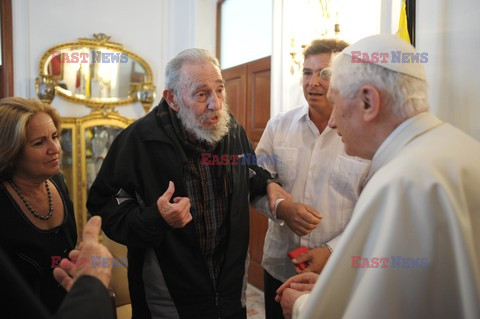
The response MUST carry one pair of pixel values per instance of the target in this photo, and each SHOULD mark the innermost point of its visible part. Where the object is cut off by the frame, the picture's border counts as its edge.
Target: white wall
(187, 24)
(450, 32)
(156, 30)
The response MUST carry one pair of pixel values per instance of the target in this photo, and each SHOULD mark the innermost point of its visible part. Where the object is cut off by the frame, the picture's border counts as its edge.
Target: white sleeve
(265, 147)
(333, 243)
(411, 222)
(262, 205)
(298, 305)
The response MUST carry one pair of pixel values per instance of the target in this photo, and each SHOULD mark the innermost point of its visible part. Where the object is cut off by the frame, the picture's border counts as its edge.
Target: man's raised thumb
(169, 192)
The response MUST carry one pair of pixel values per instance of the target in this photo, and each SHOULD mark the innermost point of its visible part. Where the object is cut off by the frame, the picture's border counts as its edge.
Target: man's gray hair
(194, 55)
(405, 95)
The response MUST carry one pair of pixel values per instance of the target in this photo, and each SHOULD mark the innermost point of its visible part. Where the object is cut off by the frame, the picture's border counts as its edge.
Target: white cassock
(421, 211)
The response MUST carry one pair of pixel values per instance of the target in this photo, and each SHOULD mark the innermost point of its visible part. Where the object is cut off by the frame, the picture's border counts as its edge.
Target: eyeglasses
(324, 74)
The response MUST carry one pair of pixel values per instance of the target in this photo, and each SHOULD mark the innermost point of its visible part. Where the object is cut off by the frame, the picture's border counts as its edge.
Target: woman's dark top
(35, 251)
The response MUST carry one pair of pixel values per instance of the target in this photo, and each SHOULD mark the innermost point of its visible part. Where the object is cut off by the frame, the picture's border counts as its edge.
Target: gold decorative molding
(99, 42)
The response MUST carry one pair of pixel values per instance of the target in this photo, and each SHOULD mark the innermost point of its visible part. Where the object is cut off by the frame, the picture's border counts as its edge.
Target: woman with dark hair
(38, 221)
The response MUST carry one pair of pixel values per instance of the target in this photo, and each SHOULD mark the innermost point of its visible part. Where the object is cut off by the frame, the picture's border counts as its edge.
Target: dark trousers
(273, 310)
(242, 314)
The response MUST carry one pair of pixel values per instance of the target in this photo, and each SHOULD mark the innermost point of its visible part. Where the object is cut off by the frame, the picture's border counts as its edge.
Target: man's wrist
(330, 249)
(274, 180)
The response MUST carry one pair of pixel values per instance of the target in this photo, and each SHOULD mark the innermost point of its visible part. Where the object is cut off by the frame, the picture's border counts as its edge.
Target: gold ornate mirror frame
(85, 72)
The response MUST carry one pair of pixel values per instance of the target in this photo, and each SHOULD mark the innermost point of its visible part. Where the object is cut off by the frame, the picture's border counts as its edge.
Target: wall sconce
(45, 88)
(297, 56)
(146, 95)
(318, 24)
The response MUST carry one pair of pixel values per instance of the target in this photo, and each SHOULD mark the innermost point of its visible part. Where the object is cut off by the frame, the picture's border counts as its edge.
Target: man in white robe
(412, 247)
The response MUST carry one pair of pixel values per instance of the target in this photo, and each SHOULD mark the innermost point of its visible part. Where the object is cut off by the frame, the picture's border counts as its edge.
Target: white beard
(196, 127)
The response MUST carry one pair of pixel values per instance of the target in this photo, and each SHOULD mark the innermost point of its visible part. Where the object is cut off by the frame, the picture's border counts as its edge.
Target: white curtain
(450, 32)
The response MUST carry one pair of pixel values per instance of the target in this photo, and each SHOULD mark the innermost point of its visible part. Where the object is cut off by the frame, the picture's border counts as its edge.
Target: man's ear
(371, 102)
(169, 96)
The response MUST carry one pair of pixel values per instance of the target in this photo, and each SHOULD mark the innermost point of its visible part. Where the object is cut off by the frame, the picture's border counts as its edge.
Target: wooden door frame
(218, 31)
(6, 69)
(411, 16)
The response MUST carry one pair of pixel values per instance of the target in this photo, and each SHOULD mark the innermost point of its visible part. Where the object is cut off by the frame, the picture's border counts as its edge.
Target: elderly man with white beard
(184, 220)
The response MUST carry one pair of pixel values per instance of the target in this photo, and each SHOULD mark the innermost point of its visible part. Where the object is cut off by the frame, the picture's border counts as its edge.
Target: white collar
(305, 114)
(401, 136)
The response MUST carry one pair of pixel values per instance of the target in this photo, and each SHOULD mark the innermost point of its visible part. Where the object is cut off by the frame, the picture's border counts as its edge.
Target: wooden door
(258, 98)
(236, 88)
(248, 94)
(6, 47)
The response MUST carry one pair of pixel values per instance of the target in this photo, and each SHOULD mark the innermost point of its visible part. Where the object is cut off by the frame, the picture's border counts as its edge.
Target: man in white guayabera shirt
(412, 247)
(311, 164)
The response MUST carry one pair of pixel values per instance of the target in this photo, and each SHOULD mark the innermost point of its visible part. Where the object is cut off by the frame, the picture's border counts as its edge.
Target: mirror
(96, 72)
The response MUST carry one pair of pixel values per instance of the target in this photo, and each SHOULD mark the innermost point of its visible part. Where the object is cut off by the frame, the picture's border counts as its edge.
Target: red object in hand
(297, 252)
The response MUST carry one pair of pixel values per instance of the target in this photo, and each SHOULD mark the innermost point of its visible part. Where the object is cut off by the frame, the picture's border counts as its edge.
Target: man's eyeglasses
(326, 73)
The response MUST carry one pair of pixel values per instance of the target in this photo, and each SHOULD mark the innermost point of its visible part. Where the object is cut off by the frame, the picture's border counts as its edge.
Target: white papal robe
(420, 211)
